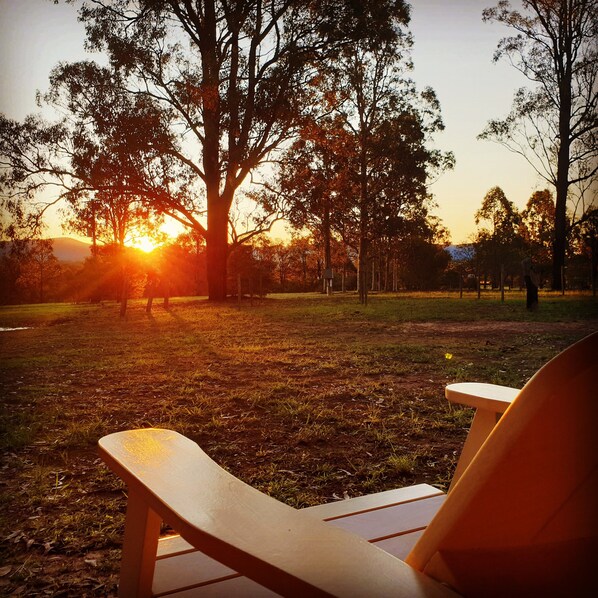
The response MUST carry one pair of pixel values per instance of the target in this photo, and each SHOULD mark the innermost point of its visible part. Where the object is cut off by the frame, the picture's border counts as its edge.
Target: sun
(149, 238)
(146, 244)
(143, 242)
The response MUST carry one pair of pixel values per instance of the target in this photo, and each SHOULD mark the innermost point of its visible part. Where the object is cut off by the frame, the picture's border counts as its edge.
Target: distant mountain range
(461, 253)
(67, 249)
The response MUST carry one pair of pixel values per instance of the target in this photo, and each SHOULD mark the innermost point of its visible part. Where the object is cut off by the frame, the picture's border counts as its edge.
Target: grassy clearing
(306, 397)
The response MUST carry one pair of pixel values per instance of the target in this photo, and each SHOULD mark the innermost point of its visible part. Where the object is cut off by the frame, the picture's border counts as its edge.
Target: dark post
(166, 301)
(531, 284)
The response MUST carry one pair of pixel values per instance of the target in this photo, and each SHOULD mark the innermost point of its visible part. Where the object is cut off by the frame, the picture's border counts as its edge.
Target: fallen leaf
(4, 571)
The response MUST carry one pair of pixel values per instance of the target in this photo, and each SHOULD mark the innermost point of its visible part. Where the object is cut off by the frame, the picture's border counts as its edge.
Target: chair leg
(142, 529)
(483, 423)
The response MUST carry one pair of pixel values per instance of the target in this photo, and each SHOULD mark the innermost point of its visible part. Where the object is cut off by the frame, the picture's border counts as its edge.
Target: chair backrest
(523, 518)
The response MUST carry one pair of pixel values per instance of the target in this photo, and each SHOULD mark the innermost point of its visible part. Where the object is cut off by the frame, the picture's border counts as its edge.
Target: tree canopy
(554, 125)
(216, 87)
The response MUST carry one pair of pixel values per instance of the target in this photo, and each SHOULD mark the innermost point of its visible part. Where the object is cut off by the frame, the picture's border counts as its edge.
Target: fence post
(502, 283)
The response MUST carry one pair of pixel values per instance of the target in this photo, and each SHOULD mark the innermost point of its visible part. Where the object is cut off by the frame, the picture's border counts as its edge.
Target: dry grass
(308, 398)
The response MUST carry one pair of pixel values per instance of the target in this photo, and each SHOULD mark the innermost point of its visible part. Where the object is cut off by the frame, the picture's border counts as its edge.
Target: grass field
(308, 398)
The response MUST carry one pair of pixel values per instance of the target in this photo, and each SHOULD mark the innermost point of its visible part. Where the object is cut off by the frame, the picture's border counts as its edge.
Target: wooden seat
(393, 520)
(520, 518)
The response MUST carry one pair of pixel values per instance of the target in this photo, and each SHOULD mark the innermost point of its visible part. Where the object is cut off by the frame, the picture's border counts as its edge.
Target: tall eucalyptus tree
(554, 126)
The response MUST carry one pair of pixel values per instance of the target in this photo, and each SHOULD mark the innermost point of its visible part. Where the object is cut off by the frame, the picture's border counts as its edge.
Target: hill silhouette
(67, 249)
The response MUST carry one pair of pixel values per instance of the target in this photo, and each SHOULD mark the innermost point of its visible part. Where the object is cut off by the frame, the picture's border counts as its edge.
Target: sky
(452, 54)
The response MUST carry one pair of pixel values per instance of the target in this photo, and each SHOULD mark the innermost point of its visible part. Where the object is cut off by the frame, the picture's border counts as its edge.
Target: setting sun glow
(166, 232)
(144, 243)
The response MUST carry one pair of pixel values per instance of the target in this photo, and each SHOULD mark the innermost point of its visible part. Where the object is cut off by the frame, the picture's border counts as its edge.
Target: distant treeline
(30, 273)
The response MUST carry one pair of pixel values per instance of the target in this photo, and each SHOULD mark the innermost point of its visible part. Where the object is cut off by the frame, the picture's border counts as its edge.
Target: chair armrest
(490, 402)
(287, 551)
(490, 397)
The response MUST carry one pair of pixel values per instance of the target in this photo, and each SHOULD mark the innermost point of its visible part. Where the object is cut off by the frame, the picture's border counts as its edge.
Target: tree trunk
(327, 250)
(560, 228)
(562, 174)
(217, 249)
(218, 201)
(41, 282)
(304, 271)
(594, 272)
(387, 263)
(362, 263)
(124, 281)
(373, 285)
(124, 294)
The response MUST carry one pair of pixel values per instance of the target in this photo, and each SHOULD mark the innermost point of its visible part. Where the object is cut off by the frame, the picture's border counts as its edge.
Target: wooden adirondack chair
(522, 519)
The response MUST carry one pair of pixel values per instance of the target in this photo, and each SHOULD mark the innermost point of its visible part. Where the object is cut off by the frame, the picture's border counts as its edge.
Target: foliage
(510, 236)
(361, 166)
(97, 156)
(195, 98)
(251, 269)
(238, 91)
(314, 181)
(422, 264)
(586, 257)
(29, 272)
(500, 246)
(553, 125)
(391, 161)
(537, 230)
